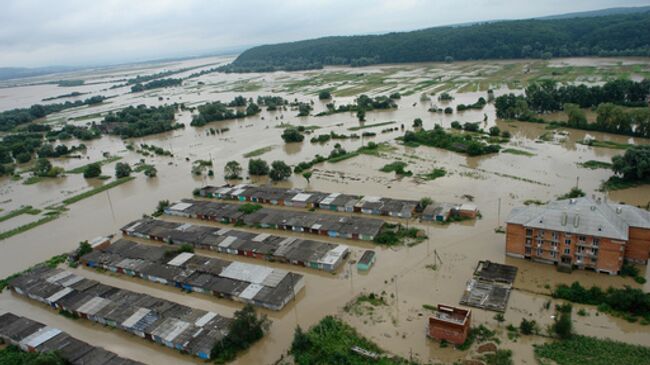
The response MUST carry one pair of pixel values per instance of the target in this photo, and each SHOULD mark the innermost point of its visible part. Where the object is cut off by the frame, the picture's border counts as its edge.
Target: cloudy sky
(80, 32)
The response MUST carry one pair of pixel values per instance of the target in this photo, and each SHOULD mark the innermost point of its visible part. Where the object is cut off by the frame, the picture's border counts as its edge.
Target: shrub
(258, 167)
(292, 135)
(122, 169)
(279, 171)
(93, 170)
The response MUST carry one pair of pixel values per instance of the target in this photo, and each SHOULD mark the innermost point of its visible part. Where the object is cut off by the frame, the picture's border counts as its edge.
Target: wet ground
(497, 182)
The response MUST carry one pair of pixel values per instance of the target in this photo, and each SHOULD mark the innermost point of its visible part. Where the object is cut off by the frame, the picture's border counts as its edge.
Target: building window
(567, 251)
(554, 244)
(539, 252)
(581, 249)
(527, 250)
(529, 232)
(540, 233)
(594, 251)
(556, 236)
(567, 241)
(553, 254)
(578, 257)
(582, 238)
(540, 241)
(596, 241)
(529, 241)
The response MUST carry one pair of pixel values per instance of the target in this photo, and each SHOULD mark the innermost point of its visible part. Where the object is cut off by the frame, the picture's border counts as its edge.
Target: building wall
(515, 240)
(582, 251)
(638, 247)
(453, 333)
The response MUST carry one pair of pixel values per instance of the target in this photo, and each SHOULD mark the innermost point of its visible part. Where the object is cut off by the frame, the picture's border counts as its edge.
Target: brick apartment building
(583, 233)
(451, 324)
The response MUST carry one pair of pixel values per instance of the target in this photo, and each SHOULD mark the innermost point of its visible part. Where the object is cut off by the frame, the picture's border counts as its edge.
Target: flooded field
(497, 183)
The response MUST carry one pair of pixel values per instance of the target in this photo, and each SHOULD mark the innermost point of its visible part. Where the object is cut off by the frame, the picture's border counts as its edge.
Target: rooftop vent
(576, 221)
(564, 218)
(572, 201)
(593, 208)
(619, 210)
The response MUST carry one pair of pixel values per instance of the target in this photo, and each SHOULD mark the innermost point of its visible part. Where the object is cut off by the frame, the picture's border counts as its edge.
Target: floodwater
(496, 182)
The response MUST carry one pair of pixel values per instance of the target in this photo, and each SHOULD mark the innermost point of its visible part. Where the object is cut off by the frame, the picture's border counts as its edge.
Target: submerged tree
(232, 170)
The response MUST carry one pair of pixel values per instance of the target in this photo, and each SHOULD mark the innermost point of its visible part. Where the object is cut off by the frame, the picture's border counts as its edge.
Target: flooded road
(496, 182)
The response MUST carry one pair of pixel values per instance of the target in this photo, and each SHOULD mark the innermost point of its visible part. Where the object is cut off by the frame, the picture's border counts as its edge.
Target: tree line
(10, 119)
(141, 120)
(612, 35)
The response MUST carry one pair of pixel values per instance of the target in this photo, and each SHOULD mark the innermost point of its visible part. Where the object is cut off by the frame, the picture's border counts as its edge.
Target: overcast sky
(81, 32)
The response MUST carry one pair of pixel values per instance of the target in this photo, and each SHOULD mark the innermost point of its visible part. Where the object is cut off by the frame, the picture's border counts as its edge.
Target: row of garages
(309, 253)
(32, 336)
(247, 283)
(174, 325)
(348, 227)
(313, 199)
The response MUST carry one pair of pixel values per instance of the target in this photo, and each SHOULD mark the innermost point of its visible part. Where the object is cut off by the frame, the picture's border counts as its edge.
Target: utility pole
(499, 214)
(110, 205)
(396, 297)
(577, 181)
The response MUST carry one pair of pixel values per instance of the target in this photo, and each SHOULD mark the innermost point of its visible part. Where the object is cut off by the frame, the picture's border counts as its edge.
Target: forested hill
(612, 35)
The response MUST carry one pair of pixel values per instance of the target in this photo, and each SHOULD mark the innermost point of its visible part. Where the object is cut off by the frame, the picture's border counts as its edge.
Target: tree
(562, 325)
(576, 117)
(361, 115)
(292, 135)
(417, 123)
(42, 167)
(245, 329)
(634, 164)
(324, 95)
(258, 167)
(23, 157)
(122, 169)
(232, 170)
(93, 170)
(279, 171)
(494, 131)
(528, 327)
(150, 171)
(307, 176)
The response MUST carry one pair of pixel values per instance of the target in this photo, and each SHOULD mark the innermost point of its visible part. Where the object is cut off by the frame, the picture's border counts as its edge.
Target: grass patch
(300, 128)
(26, 227)
(593, 164)
(80, 169)
(28, 209)
(515, 151)
(397, 167)
(583, 350)
(343, 157)
(330, 342)
(365, 126)
(606, 144)
(534, 202)
(258, 152)
(434, 174)
(97, 190)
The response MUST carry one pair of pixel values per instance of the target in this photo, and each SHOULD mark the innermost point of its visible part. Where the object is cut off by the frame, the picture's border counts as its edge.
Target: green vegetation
(633, 167)
(249, 208)
(26, 227)
(575, 192)
(583, 350)
(330, 342)
(218, 111)
(479, 105)
(232, 170)
(611, 35)
(517, 152)
(245, 329)
(156, 84)
(629, 270)
(258, 152)
(366, 126)
(28, 209)
(630, 303)
(258, 167)
(339, 154)
(97, 190)
(290, 135)
(92, 170)
(324, 95)
(544, 96)
(393, 234)
(141, 121)
(593, 164)
(159, 151)
(606, 144)
(361, 105)
(434, 174)
(437, 137)
(82, 169)
(478, 334)
(160, 208)
(10, 119)
(12, 355)
(279, 171)
(122, 169)
(397, 167)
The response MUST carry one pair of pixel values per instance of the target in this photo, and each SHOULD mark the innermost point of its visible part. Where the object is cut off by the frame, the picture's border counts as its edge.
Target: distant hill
(601, 12)
(577, 35)
(10, 73)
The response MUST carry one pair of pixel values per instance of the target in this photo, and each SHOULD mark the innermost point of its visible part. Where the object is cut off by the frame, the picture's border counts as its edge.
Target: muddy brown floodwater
(497, 182)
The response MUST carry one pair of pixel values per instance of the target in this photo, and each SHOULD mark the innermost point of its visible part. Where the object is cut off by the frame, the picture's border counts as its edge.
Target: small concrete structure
(366, 261)
(490, 287)
(450, 324)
